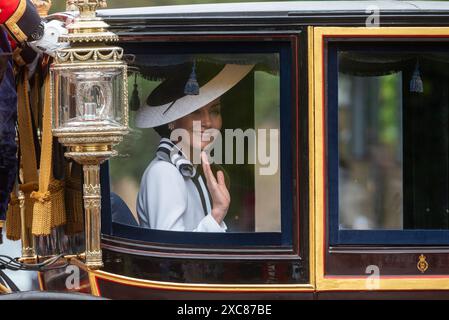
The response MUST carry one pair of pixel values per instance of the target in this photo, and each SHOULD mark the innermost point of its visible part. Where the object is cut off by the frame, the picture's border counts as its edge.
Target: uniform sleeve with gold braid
(21, 20)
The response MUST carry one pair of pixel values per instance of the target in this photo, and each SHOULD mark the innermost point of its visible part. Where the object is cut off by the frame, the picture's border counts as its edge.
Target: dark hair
(163, 131)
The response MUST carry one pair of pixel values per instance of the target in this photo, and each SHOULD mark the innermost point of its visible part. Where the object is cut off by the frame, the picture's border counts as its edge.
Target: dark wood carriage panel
(203, 270)
(391, 261)
(115, 290)
(56, 280)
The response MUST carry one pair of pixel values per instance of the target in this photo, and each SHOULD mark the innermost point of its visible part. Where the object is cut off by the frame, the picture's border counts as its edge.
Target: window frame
(339, 236)
(115, 231)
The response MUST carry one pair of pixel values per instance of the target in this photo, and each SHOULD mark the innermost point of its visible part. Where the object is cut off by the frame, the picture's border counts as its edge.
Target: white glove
(49, 42)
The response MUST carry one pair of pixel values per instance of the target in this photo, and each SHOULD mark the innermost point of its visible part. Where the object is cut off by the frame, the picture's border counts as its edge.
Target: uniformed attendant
(174, 193)
(23, 37)
(8, 116)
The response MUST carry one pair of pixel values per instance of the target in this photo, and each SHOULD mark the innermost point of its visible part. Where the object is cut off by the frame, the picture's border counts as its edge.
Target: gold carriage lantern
(89, 90)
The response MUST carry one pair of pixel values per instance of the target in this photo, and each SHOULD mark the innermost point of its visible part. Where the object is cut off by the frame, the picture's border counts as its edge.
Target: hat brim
(228, 77)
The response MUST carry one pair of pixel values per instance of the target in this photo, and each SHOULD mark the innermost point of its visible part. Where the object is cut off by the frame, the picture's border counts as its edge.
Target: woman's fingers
(207, 170)
(217, 188)
(222, 185)
(221, 178)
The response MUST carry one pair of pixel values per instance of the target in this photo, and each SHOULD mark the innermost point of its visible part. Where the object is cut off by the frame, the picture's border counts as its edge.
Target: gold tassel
(13, 221)
(28, 163)
(49, 206)
(57, 192)
(41, 213)
(27, 189)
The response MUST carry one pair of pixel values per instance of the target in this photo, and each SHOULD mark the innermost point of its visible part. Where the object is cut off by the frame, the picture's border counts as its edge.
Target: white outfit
(167, 200)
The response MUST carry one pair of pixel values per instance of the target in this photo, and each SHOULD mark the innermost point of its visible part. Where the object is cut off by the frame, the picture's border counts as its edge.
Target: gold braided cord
(27, 160)
(26, 133)
(27, 147)
(35, 99)
(49, 207)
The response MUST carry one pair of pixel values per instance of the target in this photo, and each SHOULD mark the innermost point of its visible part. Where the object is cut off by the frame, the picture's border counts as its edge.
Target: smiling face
(210, 118)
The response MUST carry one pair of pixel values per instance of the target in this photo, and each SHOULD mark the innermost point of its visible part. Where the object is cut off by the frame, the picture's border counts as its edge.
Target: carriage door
(380, 147)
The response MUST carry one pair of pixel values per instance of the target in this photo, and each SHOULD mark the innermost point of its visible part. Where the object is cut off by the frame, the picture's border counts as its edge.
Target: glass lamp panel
(89, 97)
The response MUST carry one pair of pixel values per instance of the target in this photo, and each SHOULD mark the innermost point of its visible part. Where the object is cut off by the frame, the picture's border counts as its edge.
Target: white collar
(170, 152)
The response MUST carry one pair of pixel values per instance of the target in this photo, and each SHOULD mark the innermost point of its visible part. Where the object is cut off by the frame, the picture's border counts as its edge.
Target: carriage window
(204, 150)
(393, 139)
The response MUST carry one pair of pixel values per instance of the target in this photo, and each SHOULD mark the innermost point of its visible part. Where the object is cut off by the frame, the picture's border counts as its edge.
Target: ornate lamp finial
(87, 27)
(70, 5)
(86, 7)
(42, 6)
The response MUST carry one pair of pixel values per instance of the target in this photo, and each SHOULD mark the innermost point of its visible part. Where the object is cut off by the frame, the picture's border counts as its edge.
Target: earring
(171, 126)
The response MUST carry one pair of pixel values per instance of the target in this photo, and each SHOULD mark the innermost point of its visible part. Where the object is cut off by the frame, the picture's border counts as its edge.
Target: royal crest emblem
(422, 265)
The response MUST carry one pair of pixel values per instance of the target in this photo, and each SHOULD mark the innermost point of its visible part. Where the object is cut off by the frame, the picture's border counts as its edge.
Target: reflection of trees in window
(378, 113)
(370, 175)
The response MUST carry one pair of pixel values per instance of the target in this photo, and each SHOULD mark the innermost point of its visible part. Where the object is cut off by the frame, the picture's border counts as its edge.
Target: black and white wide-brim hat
(169, 101)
